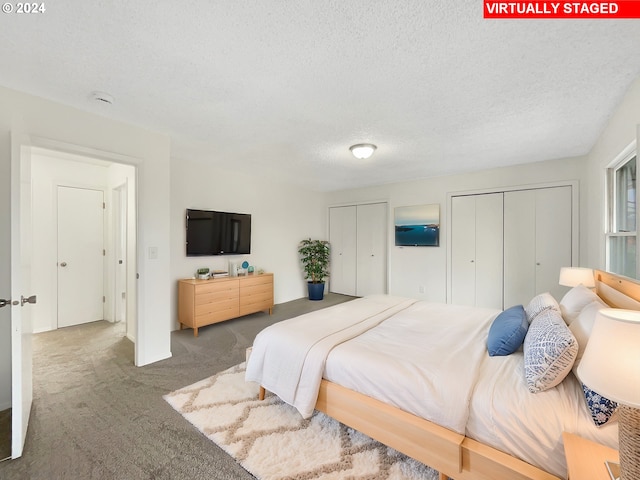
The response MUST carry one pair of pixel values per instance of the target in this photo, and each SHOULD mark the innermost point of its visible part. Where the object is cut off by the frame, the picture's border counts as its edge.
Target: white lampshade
(611, 361)
(573, 276)
(363, 151)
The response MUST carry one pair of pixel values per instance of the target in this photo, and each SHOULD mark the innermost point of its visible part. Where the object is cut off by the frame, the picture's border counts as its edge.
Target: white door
(371, 249)
(21, 351)
(553, 238)
(342, 239)
(519, 247)
(489, 250)
(463, 250)
(80, 256)
(537, 242)
(476, 250)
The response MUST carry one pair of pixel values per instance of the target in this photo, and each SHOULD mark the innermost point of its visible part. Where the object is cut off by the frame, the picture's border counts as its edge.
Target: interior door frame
(119, 202)
(134, 255)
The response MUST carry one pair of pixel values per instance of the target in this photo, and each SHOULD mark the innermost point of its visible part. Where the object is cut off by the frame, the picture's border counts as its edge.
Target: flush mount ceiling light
(102, 97)
(363, 151)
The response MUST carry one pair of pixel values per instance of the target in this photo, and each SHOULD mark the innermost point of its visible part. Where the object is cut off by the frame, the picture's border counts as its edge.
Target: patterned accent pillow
(602, 409)
(539, 304)
(550, 349)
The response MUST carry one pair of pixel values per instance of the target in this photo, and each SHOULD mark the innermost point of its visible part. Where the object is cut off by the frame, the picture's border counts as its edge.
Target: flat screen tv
(218, 233)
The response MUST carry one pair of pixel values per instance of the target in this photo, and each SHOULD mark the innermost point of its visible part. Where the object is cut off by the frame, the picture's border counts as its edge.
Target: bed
(401, 352)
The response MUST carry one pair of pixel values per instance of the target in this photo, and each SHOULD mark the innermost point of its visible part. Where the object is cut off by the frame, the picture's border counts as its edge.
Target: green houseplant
(314, 255)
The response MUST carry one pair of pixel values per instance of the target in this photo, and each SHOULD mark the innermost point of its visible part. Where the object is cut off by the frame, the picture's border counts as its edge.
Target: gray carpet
(97, 416)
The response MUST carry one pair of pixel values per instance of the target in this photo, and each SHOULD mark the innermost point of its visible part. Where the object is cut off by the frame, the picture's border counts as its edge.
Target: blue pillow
(507, 331)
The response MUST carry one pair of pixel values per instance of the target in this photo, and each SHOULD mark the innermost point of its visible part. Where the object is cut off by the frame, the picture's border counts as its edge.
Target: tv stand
(204, 302)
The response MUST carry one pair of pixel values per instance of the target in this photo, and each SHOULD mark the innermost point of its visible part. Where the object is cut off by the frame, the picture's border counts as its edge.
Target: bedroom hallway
(97, 416)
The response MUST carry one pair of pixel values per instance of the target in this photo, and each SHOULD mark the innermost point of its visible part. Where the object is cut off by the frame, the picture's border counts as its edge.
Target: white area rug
(273, 442)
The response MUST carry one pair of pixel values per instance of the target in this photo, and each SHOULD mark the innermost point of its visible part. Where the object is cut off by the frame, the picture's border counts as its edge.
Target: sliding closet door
(463, 250)
(553, 238)
(476, 250)
(342, 238)
(371, 277)
(537, 242)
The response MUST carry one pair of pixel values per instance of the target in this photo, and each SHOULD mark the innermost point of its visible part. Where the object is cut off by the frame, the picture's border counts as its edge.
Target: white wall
(622, 129)
(410, 267)
(48, 123)
(281, 216)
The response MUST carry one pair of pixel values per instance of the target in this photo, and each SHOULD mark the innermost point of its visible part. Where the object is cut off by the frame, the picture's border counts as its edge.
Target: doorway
(87, 206)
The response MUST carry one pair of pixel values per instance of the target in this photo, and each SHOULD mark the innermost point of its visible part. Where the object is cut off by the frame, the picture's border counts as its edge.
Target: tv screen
(218, 233)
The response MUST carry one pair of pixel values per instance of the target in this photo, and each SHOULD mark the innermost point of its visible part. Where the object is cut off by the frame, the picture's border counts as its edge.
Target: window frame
(627, 155)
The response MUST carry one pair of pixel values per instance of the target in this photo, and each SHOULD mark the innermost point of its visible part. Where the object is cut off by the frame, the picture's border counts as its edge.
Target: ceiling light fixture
(363, 151)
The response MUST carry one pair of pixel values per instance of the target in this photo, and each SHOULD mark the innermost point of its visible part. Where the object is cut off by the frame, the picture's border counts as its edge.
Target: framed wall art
(417, 226)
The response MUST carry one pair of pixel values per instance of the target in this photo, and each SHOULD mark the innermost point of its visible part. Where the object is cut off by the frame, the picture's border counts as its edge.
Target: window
(621, 223)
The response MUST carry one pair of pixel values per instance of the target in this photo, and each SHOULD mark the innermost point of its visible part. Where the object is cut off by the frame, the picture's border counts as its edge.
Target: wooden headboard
(618, 291)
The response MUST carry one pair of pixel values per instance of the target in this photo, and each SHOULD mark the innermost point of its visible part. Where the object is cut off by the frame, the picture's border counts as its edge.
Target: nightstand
(585, 459)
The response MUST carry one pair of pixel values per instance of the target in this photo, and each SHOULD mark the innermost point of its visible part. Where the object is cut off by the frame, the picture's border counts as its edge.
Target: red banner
(586, 10)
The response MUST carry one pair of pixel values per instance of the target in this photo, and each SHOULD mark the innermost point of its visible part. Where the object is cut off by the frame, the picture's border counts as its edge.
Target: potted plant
(314, 255)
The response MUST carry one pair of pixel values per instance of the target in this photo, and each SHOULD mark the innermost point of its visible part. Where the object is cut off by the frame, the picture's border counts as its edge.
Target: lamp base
(629, 435)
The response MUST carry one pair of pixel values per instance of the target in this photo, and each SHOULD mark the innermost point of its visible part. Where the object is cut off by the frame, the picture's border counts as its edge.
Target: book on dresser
(204, 302)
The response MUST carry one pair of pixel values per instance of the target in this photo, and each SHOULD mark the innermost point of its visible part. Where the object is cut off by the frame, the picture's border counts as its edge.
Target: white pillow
(539, 304)
(575, 300)
(581, 327)
(550, 350)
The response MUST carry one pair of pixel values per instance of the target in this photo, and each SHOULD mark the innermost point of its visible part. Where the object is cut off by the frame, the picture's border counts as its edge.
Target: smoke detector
(102, 98)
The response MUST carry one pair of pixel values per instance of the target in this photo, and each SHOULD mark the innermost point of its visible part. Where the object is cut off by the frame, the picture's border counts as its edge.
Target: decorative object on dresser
(203, 302)
(203, 273)
(314, 255)
(611, 366)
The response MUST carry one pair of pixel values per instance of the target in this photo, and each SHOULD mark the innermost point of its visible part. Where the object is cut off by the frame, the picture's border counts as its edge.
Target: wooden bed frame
(452, 454)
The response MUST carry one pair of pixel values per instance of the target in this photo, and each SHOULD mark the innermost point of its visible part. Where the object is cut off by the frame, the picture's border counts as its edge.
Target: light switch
(153, 253)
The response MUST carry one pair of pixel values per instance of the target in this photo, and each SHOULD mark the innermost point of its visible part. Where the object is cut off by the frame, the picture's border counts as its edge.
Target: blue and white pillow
(602, 409)
(541, 303)
(550, 349)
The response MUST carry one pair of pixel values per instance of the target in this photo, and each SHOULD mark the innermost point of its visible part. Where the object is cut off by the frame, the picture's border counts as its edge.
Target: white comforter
(430, 360)
(288, 358)
(424, 360)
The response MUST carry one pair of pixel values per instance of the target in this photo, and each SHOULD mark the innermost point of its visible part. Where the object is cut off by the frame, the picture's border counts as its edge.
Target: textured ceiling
(281, 89)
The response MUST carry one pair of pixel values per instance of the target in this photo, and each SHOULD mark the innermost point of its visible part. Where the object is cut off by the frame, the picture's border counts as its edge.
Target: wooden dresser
(203, 302)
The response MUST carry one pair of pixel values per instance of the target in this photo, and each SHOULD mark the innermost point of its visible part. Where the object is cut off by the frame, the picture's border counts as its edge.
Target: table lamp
(611, 367)
(574, 276)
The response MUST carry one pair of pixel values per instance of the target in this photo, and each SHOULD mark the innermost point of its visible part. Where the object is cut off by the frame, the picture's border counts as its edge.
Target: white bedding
(288, 357)
(505, 415)
(430, 360)
(423, 360)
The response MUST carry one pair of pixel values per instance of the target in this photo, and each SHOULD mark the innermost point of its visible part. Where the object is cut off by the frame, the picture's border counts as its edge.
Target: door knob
(31, 299)
(63, 264)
